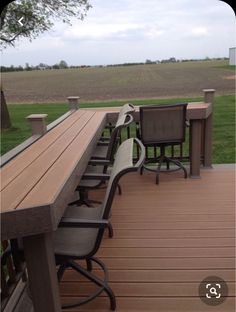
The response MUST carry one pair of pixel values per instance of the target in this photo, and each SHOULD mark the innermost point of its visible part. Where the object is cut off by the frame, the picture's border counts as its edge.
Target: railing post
(37, 123)
(195, 147)
(208, 129)
(209, 95)
(73, 102)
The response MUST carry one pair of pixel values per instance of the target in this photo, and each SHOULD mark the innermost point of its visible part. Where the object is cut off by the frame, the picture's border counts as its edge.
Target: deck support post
(41, 266)
(208, 129)
(73, 102)
(195, 147)
(37, 123)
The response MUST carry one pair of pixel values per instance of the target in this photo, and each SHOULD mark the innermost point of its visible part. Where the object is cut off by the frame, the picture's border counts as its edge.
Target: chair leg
(80, 202)
(167, 164)
(61, 271)
(110, 230)
(83, 200)
(84, 197)
(89, 265)
(96, 280)
(159, 168)
(178, 163)
(83, 301)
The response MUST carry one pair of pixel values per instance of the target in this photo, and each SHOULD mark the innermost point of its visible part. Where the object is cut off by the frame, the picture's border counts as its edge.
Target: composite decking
(167, 239)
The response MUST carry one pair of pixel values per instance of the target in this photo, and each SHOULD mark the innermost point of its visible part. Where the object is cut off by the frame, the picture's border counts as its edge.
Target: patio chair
(80, 231)
(103, 156)
(107, 146)
(127, 108)
(162, 126)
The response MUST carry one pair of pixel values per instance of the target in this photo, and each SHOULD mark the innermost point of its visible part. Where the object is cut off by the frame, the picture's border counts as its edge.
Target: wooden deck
(167, 239)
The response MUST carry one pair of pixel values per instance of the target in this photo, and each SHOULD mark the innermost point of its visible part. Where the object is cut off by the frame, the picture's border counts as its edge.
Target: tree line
(41, 66)
(63, 64)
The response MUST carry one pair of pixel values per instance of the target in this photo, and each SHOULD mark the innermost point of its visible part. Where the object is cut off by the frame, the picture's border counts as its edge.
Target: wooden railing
(202, 125)
(13, 268)
(38, 129)
(180, 152)
(13, 271)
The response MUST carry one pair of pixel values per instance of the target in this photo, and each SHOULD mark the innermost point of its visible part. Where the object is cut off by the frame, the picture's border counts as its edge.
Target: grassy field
(141, 84)
(223, 133)
(125, 82)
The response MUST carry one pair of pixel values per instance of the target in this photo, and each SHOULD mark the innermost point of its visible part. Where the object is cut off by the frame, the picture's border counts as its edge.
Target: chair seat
(83, 212)
(77, 242)
(74, 242)
(161, 126)
(90, 183)
(100, 152)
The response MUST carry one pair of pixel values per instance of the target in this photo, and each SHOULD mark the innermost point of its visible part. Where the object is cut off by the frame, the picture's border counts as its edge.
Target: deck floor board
(167, 239)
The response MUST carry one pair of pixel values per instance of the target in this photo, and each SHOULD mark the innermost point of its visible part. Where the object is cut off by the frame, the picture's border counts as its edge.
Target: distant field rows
(125, 82)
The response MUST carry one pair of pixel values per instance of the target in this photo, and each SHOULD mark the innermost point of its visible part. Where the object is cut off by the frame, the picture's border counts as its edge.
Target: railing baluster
(16, 255)
(4, 287)
(128, 132)
(181, 151)
(146, 150)
(12, 270)
(10, 267)
(175, 153)
(172, 151)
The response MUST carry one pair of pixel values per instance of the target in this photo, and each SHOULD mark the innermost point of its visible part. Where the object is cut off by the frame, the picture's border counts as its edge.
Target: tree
(5, 120)
(63, 64)
(36, 16)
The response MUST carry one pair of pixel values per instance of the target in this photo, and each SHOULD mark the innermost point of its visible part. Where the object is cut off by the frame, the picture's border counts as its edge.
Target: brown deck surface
(43, 177)
(167, 239)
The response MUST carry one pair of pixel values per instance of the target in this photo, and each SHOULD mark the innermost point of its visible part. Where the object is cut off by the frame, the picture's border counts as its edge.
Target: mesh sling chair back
(102, 157)
(127, 108)
(161, 126)
(106, 150)
(79, 238)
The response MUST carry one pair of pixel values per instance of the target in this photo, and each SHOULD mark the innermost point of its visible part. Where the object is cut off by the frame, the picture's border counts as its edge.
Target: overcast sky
(122, 31)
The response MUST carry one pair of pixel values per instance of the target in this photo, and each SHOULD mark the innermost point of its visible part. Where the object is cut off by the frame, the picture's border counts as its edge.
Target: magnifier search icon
(213, 291)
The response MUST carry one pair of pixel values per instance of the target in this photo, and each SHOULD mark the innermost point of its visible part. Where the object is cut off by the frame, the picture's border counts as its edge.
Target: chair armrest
(96, 176)
(109, 127)
(142, 155)
(101, 143)
(83, 223)
(102, 162)
(128, 122)
(104, 139)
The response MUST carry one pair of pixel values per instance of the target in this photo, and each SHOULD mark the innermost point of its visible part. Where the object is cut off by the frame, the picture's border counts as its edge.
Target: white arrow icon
(19, 21)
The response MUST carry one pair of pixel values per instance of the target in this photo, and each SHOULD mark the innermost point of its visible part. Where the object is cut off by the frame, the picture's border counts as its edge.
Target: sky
(124, 31)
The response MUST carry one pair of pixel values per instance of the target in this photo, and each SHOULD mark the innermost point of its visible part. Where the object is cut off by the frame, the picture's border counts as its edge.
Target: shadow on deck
(167, 239)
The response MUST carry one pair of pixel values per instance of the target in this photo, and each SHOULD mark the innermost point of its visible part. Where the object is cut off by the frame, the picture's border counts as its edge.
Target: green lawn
(223, 133)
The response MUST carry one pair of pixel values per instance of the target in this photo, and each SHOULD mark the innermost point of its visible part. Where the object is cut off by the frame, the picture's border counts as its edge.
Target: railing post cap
(73, 102)
(208, 90)
(73, 97)
(38, 123)
(36, 116)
